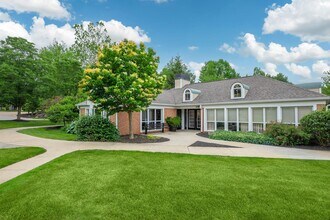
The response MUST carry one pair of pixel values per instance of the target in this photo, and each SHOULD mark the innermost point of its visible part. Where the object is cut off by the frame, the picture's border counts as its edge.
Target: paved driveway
(179, 143)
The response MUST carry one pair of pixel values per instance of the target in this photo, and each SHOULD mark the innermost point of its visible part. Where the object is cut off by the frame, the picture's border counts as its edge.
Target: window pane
(220, 115)
(158, 114)
(232, 126)
(210, 114)
(257, 115)
(243, 115)
(232, 114)
(302, 111)
(288, 115)
(220, 126)
(271, 115)
(244, 127)
(258, 127)
(210, 126)
(151, 114)
(144, 116)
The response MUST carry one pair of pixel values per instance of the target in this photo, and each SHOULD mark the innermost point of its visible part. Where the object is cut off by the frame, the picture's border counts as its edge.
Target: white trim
(184, 95)
(162, 119)
(250, 123)
(243, 93)
(117, 120)
(263, 118)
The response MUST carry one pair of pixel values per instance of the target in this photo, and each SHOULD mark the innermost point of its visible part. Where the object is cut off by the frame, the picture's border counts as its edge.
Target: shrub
(71, 129)
(246, 137)
(96, 128)
(317, 124)
(287, 135)
(173, 122)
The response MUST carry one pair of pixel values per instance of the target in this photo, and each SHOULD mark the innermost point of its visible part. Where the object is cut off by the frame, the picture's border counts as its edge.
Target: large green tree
(89, 37)
(62, 71)
(217, 70)
(173, 67)
(326, 83)
(124, 79)
(19, 72)
(278, 76)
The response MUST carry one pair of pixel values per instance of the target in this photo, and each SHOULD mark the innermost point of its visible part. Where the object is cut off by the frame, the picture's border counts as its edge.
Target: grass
(137, 185)
(50, 133)
(17, 124)
(10, 156)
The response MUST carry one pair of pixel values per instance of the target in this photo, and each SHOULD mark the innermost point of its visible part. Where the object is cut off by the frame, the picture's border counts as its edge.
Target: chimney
(181, 80)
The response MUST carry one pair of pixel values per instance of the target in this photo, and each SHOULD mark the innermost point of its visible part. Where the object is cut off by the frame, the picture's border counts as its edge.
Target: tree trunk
(130, 117)
(19, 112)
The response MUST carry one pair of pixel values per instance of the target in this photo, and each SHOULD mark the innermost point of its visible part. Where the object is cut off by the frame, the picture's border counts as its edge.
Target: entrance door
(191, 119)
(198, 118)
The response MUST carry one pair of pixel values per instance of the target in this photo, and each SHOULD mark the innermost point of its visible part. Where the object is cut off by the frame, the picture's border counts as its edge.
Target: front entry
(194, 119)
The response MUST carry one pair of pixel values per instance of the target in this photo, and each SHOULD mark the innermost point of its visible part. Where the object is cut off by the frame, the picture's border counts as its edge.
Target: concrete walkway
(179, 143)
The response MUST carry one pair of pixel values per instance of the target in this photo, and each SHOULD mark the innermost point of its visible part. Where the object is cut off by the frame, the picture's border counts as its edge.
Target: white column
(279, 114)
(226, 119)
(182, 119)
(314, 107)
(296, 116)
(264, 118)
(237, 120)
(250, 125)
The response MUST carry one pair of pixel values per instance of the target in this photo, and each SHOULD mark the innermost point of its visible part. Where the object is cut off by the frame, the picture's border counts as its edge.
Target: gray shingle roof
(260, 88)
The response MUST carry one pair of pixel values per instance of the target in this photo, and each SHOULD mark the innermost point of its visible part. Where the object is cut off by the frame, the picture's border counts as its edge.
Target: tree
(64, 111)
(326, 83)
(217, 70)
(89, 37)
(173, 67)
(279, 76)
(62, 71)
(124, 79)
(19, 72)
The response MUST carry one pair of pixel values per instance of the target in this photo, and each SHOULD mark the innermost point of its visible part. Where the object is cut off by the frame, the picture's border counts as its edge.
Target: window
(257, 120)
(243, 118)
(237, 91)
(220, 119)
(232, 119)
(152, 118)
(288, 115)
(187, 95)
(210, 119)
(304, 110)
(271, 115)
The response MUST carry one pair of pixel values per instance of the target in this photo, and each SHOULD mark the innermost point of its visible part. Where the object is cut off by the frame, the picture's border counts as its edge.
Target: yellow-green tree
(124, 79)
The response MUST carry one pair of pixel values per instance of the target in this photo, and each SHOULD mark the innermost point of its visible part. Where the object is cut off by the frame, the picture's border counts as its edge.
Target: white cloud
(233, 65)
(321, 66)
(302, 71)
(227, 48)
(43, 35)
(192, 48)
(278, 54)
(196, 68)
(50, 8)
(4, 16)
(118, 32)
(307, 19)
(270, 68)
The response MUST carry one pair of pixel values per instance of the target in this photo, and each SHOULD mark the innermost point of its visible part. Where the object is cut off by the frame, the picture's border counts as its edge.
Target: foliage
(89, 37)
(246, 137)
(13, 155)
(217, 70)
(124, 79)
(96, 128)
(19, 75)
(62, 71)
(278, 76)
(173, 121)
(326, 83)
(287, 135)
(71, 129)
(64, 111)
(173, 67)
(317, 124)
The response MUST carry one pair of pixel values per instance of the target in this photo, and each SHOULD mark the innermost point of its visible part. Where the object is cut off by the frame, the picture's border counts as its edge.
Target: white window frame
(148, 117)
(233, 89)
(184, 95)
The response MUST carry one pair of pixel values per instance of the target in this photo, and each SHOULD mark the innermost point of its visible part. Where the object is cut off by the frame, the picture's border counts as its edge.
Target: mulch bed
(142, 139)
(203, 134)
(205, 144)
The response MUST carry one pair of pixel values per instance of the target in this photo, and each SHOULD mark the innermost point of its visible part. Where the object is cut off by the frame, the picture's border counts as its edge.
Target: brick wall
(320, 106)
(123, 123)
(169, 112)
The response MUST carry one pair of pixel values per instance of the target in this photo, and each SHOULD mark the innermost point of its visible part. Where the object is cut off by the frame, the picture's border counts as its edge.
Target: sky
(287, 36)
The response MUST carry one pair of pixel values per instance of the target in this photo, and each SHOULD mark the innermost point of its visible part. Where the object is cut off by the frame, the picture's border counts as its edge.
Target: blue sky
(292, 37)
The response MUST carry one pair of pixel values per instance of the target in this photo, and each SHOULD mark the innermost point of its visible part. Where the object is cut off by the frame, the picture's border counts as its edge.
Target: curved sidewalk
(179, 143)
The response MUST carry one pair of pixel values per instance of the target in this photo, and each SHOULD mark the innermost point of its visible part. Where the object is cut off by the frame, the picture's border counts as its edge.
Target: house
(241, 104)
(313, 86)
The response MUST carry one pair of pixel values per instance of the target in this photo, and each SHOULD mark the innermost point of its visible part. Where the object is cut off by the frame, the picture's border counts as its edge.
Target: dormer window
(239, 91)
(187, 95)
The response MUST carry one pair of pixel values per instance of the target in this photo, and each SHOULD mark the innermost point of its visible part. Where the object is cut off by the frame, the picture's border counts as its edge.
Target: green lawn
(137, 185)
(18, 124)
(12, 155)
(51, 133)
